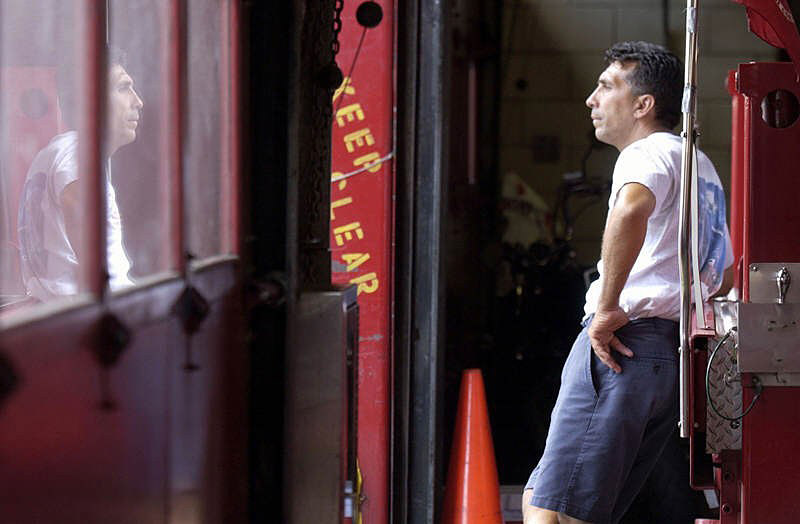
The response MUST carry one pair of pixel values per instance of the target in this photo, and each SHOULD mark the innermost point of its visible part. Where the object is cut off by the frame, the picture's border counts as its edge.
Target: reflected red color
(773, 22)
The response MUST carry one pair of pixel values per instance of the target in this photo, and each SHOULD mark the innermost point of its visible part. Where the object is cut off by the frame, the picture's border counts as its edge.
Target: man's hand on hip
(601, 335)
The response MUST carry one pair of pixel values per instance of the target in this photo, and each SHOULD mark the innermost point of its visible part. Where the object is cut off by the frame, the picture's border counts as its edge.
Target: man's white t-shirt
(653, 286)
(48, 262)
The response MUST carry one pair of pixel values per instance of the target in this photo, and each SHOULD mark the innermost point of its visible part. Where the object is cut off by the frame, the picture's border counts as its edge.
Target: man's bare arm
(622, 241)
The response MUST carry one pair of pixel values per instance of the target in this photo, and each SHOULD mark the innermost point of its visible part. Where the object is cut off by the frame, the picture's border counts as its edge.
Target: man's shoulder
(659, 143)
(61, 152)
(62, 144)
(649, 151)
(665, 145)
(658, 152)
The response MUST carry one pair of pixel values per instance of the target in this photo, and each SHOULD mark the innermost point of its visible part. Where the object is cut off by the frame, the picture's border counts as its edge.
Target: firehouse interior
(327, 221)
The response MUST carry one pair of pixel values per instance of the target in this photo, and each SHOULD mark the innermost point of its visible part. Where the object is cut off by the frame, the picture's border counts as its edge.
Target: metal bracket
(9, 380)
(271, 290)
(769, 338)
(192, 308)
(784, 280)
(771, 283)
(113, 338)
(779, 379)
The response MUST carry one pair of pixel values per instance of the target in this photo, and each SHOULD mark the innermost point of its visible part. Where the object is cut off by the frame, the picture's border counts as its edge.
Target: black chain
(337, 25)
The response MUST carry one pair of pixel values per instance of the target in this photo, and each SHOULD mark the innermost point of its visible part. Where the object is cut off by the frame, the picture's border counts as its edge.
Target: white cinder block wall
(552, 53)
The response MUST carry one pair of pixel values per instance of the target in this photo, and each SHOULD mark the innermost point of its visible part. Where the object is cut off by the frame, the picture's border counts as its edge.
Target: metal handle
(784, 280)
(688, 109)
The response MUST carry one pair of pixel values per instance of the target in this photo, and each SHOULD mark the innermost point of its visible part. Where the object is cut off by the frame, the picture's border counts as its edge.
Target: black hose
(756, 384)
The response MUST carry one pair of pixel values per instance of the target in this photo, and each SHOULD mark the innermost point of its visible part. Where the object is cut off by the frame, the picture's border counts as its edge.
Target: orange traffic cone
(473, 491)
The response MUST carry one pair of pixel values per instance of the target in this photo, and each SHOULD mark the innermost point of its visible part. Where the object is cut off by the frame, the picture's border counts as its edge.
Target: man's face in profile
(124, 105)
(613, 104)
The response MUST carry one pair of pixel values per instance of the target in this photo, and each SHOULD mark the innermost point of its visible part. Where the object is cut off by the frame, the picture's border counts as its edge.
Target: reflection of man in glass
(50, 219)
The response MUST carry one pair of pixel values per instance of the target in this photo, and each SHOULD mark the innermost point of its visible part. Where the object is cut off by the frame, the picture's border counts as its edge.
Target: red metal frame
(770, 482)
(720, 472)
(737, 181)
(14, 82)
(759, 484)
(728, 477)
(231, 132)
(771, 152)
(174, 77)
(700, 477)
(92, 48)
(362, 226)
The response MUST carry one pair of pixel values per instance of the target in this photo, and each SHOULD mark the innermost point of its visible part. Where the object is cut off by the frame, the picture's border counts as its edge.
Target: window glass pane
(137, 131)
(205, 166)
(42, 245)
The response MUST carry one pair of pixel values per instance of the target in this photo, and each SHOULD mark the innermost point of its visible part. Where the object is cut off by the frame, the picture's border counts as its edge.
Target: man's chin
(129, 138)
(120, 141)
(604, 139)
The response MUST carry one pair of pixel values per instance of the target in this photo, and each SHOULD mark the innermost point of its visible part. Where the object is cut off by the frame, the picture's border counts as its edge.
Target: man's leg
(534, 515)
(555, 480)
(596, 431)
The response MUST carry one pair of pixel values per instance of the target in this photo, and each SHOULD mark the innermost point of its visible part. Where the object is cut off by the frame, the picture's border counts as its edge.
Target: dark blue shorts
(607, 430)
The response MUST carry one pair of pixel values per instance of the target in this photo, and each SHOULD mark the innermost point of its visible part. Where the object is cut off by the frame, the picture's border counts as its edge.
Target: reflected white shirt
(48, 262)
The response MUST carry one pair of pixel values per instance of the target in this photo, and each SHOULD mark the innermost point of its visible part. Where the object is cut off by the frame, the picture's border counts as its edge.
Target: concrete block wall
(552, 55)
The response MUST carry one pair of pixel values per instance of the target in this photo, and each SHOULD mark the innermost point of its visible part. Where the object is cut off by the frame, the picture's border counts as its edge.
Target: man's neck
(643, 130)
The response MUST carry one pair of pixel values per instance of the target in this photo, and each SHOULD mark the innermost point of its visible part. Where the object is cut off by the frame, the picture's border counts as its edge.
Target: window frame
(143, 302)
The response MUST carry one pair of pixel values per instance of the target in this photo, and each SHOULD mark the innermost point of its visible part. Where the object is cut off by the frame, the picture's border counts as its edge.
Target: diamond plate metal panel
(725, 389)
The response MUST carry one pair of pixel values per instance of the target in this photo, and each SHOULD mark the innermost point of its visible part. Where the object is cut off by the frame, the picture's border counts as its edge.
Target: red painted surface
(700, 477)
(745, 195)
(728, 477)
(175, 445)
(32, 119)
(772, 21)
(771, 221)
(230, 141)
(769, 450)
(774, 216)
(90, 147)
(362, 228)
(737, 165)
(172, 244)
(65, 459)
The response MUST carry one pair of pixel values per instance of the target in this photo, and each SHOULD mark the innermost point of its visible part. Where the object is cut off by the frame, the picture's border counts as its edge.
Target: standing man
(618, 402)
(51, 222)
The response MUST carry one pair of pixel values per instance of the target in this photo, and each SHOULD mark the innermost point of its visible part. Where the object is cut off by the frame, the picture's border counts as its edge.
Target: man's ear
(645, 104)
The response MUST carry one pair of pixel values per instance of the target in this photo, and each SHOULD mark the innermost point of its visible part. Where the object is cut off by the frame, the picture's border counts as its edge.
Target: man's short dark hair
(67, 81)
(658, 72)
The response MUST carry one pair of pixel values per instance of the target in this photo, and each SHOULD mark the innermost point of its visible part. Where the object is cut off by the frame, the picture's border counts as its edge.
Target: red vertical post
(174, 71)
(737, 175)
(770, 225)
(91, 58)
(362, 225)
(230, 135)
(745, 197)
